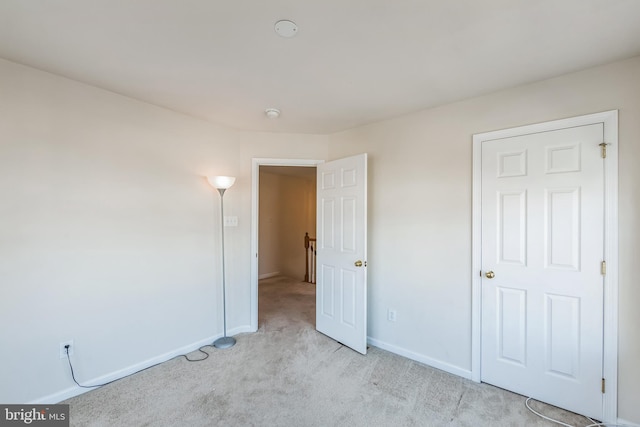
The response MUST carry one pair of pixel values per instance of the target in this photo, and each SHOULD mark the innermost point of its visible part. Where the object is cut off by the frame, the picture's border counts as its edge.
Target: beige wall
(109, 233)
(420, 211)
(298, 217)
(269, 254)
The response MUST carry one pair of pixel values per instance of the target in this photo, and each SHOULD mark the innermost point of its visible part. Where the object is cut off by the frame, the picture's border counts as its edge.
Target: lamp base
(224, 342)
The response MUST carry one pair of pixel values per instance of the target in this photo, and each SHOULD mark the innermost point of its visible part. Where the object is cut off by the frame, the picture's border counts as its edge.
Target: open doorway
(344, 201)
(286, 214)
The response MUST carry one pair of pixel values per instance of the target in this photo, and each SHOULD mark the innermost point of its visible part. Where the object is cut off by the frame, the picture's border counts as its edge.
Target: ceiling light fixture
(286, 28)
(272, 113)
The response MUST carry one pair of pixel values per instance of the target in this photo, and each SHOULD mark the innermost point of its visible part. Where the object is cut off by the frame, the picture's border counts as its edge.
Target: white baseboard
(443, 366)
(59, 396)
(238, 330)
(267, 275)
(76, 391)
(627, 423)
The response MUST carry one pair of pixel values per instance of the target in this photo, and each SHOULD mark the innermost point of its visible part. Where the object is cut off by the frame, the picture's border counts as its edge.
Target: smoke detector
(272, 113)
(286, 28)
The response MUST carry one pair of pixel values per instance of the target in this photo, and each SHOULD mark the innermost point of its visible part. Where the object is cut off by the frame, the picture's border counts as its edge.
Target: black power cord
(73, 375)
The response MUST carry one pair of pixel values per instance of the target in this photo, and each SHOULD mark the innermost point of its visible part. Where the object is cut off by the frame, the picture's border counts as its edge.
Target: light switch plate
(230, 221)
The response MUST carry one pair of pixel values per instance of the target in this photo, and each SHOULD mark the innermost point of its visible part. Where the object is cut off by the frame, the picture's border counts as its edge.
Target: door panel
(327, 226)
(348, 302)
(348, 224)
(341, 311)
(543, 236)
(326, 288)
(512, 323)
(562, 229)
(563, 335)
(512, 241)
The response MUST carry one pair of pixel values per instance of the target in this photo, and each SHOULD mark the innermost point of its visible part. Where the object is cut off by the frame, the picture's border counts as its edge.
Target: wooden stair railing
(310, 259)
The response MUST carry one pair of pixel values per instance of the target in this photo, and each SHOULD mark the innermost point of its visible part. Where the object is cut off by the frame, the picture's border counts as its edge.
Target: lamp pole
(222, 183)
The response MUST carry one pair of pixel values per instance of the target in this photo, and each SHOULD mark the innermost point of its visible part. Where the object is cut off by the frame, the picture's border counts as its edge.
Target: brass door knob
(490, 274)
(358, 263)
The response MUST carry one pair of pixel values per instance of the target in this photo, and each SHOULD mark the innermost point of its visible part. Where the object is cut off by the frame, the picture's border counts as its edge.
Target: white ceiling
(352, 62)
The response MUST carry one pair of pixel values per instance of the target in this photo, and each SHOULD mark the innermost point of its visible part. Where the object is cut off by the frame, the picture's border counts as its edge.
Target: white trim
(610, 361)
(235, 331)
(627, 423)
(434, 363)
(268, 275)
(255, 203)
(476, 259)
(610, 348)
(121, 373)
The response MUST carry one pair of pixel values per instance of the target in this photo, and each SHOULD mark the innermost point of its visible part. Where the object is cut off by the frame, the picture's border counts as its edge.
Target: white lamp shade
(221, 182)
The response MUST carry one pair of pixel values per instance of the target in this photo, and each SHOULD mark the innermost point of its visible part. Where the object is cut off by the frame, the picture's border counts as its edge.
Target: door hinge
(603, 386)
(603, 268)
(603, 146)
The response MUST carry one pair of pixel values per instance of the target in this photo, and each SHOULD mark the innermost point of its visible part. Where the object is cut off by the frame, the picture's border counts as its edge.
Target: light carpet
(287, 374)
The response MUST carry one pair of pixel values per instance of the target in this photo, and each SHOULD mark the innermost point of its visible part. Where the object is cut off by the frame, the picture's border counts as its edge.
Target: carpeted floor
(287, 374)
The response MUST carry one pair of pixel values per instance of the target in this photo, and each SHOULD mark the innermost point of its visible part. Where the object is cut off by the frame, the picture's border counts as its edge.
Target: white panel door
(341, 282)
(542, 249)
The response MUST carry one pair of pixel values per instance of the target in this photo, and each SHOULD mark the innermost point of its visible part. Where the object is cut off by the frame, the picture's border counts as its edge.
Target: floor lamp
(222, 183)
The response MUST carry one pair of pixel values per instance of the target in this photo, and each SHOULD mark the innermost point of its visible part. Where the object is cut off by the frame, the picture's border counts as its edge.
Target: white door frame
(255, 204)
(610, 347)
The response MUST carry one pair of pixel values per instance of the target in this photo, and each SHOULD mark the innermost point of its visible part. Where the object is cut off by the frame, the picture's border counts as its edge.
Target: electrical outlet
(63, 350)
(391, 315)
